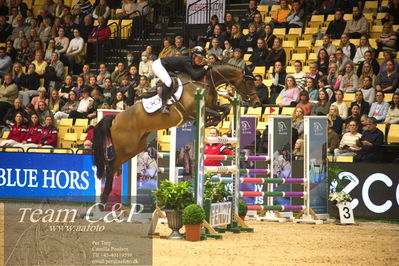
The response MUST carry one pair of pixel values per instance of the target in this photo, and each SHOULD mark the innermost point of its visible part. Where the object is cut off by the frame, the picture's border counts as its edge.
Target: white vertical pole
(133, 180)
(172, 159)
(306, 159)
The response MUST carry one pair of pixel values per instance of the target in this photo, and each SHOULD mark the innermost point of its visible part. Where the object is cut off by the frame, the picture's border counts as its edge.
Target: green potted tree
(193, 215)
(173, 198)
(242, 209)
(336, 185)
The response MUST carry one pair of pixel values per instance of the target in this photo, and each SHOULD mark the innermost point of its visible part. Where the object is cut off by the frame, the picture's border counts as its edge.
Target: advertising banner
(200, 11)
(185, 137)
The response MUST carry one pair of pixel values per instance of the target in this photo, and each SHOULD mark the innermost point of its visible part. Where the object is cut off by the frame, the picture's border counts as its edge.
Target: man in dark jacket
(258, 57)
(364, 106)
(337, 26)
(370, 142)
(261, 90)
(5, 29)
(16, 108)
(251, 12)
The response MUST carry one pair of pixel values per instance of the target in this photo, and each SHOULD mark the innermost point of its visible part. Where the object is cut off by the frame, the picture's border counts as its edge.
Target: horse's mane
(221, 63)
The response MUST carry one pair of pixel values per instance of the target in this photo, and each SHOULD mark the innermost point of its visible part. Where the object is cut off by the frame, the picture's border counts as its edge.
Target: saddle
(160, 88)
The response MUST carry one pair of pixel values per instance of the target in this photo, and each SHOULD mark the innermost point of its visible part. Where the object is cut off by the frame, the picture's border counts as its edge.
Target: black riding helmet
(199, 51)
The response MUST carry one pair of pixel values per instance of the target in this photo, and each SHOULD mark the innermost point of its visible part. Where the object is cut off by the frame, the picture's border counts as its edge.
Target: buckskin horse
(128, 130)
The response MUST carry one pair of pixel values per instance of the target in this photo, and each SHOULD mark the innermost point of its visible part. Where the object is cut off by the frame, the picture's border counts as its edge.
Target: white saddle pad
(154, 103)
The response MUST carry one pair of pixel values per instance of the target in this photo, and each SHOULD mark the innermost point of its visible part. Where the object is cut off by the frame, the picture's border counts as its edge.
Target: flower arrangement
(338, 197)
(336, 185)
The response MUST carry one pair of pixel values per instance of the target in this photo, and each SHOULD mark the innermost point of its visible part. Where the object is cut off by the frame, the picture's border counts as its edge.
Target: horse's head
(246, 88)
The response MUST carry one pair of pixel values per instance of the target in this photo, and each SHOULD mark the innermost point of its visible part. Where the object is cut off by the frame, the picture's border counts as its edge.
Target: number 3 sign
(345, 213)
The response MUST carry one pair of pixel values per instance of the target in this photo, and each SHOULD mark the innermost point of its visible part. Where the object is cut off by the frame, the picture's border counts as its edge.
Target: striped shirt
(300, 79)
(86, 6)
(350, 140)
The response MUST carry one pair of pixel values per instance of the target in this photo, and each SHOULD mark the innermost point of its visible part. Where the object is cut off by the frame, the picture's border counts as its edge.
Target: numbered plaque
(345, 213)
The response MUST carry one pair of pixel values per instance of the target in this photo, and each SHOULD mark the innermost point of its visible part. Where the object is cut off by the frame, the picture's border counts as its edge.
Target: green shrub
(171, 196)
(215, 191)
(242, 208)
(193, 214)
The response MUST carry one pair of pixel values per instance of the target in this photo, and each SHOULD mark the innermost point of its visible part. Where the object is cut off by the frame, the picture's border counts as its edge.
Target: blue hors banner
(47, 176)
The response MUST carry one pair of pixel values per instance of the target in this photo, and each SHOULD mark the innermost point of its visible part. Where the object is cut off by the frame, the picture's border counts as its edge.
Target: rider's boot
(164, 98)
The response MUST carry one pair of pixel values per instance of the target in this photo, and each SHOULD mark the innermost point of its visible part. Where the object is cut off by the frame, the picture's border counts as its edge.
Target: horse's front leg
(213, 117)
(224, 110)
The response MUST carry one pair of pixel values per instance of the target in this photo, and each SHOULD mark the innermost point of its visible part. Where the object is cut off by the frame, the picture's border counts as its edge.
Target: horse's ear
(248, 74)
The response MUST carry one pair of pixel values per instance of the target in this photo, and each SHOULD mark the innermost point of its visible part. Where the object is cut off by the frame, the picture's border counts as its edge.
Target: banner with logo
(316, 135)
(185, 137)
(200, 11)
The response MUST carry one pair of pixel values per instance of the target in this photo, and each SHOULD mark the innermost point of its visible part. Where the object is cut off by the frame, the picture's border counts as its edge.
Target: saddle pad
(154, 103)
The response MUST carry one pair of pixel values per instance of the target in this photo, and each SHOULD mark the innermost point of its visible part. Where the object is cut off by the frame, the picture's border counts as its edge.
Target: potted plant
(242, 209)
(193, 215)
(173, 198)
(215, 191)
(336, 185)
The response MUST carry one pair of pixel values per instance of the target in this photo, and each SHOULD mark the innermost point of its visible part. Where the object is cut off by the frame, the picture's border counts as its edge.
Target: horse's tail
(102, 132)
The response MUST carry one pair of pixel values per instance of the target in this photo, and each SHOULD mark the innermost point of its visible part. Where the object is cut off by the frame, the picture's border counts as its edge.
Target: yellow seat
(245, 31)
(5, 134)
(294, 34)
(382, 127)
(348, 17)
(388, 96)
(318, 43)
(349, 96)
(371, 5)
(289, 46)
(344, 159)
(267, 19)
(381, 16)
(308, 34)
(272, 110)
(261, 126)
(66, 122)
(263, 8)
(279, 32)
(259, 70)
(287, 110)
(69, 140)
(246, 57)
(393, 134)
(330, 17)
(303, 46)
(356, 42)
(316, 21)
(299, 56)
(290, 69)
(312, 57)
(126, 28)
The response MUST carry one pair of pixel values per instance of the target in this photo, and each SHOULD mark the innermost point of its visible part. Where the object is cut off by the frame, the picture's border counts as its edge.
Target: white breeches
(161, 72)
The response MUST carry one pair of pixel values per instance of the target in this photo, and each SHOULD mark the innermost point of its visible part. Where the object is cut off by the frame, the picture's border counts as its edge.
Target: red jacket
(102, 32)
(216, 149)
(49, 136)
(34, 134)
(18, 133)
(90, 134)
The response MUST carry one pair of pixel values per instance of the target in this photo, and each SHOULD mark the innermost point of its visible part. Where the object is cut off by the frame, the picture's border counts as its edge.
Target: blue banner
(47, 176)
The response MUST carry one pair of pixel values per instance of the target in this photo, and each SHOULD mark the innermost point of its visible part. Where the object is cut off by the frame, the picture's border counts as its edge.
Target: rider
(192, 66)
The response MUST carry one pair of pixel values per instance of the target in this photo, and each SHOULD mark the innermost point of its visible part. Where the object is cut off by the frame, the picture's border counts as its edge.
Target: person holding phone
(349, 142)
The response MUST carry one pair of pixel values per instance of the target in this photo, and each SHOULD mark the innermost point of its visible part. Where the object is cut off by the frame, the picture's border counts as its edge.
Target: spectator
(355, 116)
(21, 7)
(304, 103)
(40, 64)
(57, 65)
(269, 37)
(17, 28)
(102, 75)
(18, 39)
(314, 72)
(248, 42)
(179, 46)
(17, 134)
(368, 58)
(97, 38)
(295, 18)
(323, 85)
(297, 121)
(142, 89)
(13, 110)
(167, 48)
(364, 46)
(59, 9)
(333, 139)
(211, 27)
(337, 26)
(358, 26)
(50, 49)
(388, 80)
(215, 148)
(333, 115)
(212, 59)
(32, 26)
(69, 26)
(278, 81)
(279, 18)
(299, 75)
(379, 108)
(101, 9)
(49, 134)
(393, 111)
(43, 14)
(85, 104)
(327, 45)
(251, 12)
(259, 24)
(5, 62)
(342, 60)
(289, 95)
(127, 9)
(359, 100)
(50, 6)
(5, 29)
(322, 62)
(54, 105)
(298, 151)
(237, 59)
(229, 20)
(80, 86)
(61, 42)
(119, 102)
(370, 142)
(236, 35)
(131, 60)
(323, 105)
(78, 16)
(75, 53)
(368, 90)
(40, 98)
(258, 57)
(216, 50)
(388, 40)
(98, 99)
(92, 84)
(326, 8)
(367, 72)
(348, 48)
(33, 134)
(228, 52)
(217, 33)
(388, 56)
(334, 78)
(43, 111)
(119, 73)
(133, 76)
(261, 90)
(276, 54)
(108, 90)
(4, 10)
(350, 82)
(340, 104)
(349, 142)
(8, 93)
(29, 85)
(45, 30)
(86, 27)
(66, 87)
(145, 67)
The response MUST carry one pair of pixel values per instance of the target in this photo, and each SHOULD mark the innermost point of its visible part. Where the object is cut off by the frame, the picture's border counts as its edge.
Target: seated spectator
(387, 81)
(333, 77)
(8, 93)
(295, 18)
(261, 90)
(33, 37)
(348, 48)
(33, 25)
(337, 26)
(75, 54)
(327, 45)
(71, 105)
(367, 72)
(33, 134)
(141, 90)
(85, 106)
(145, 67)
(279, 18)
(66, 87)
(167, 48)
(379, 108)
(127, 9)
(388, 56)
(368, 58)
(350, 82)
(10, 51)
(276, 54)
(78, 18)
(5, 62)
(216, 50)
(289, 95)
(41, 97)
(50, 6)
(259, 24)
(57, 65)
(5, 29)
(277, 76)
(179, 46)
(18, 39)
(54, 102)
(49, 134)
(298, 151)
(29, 85)
(103, 73)
(340, 104)
(18, 28)
(370, 142)
(133, 76)
(40, 64)
(358, 26)
(92, 84)
(97, 38)
(237, 59)
(314, 72)
(86, 73)
(17, 74)
(328, 7)
(228, 52)
(304, 103)
(368, 90)
(43, 111)
(101, 9)
(229, 20)
(298, 121)
(323, 85)
(151, 55)
(80, 86)
(248, 42)
(312, 89)
(388, 40)
(322, 62)
(108, 90)
(364, 46)
(217, 33)
(269, 37)
(393, 111)
(349, 142)
(13, 110)
(119, 73)
(342, 60)
(323, 105)
(50, 49)
(56, 26)
(259, 54)
(212, 59)
(61, 42)
(333, 139)
(359, 100)
(17, 134)
(355, 116)
(45, 30)
(98, 99)
(251, 12)
(119, 102)
(337, 121)
(236, 35)
(299, 75)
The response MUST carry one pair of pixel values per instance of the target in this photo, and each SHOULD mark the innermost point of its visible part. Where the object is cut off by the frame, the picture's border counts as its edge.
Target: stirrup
(165, 110)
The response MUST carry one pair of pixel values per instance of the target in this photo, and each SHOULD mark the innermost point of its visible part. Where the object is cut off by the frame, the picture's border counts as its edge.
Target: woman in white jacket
(364, 46)
(74, 54)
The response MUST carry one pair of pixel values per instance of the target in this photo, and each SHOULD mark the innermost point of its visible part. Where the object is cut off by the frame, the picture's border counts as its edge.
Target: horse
(121, 137)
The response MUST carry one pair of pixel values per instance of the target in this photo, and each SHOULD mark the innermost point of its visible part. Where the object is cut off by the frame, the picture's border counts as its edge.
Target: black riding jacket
(183, 64)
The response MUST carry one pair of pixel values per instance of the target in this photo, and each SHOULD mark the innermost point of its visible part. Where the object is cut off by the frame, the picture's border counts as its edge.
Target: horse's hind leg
(108, 187)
